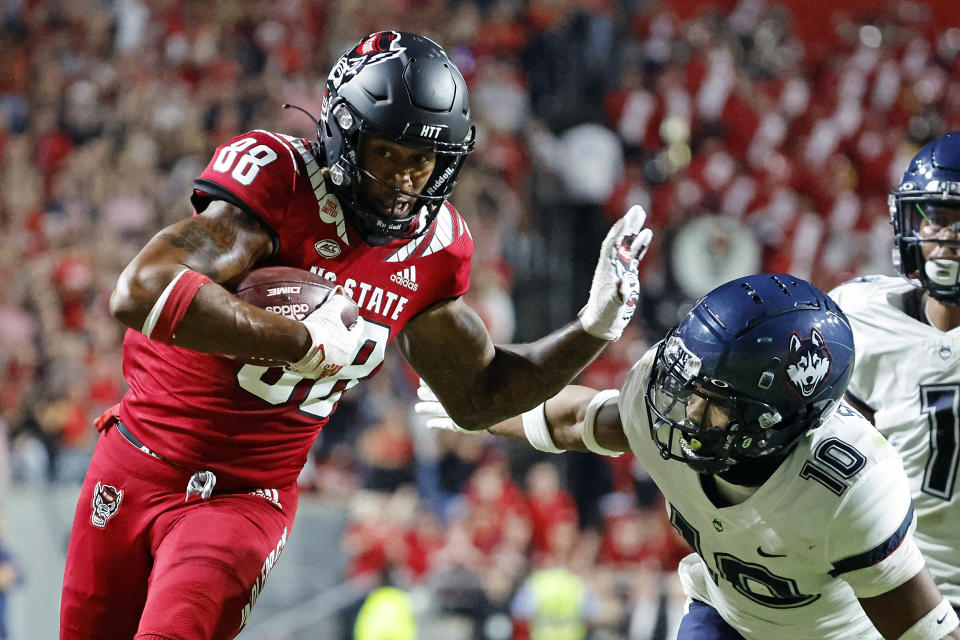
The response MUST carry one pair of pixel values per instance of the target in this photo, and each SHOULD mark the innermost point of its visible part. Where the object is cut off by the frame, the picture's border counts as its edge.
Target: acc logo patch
(808, 362)
(327, 248)
(106, 501)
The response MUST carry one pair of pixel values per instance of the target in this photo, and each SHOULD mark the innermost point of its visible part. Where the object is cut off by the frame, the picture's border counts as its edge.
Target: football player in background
(798, 511)
(907, 377)
(191, 491)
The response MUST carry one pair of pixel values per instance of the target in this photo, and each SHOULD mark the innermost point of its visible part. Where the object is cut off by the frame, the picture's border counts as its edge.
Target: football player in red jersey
(191, 491)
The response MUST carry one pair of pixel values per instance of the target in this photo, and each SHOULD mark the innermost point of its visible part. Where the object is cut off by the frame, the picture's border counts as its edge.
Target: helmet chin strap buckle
(942, 272)
(337, 175)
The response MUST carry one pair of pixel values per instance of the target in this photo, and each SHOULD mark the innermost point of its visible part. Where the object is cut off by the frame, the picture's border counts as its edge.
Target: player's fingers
(641, 243)
(614, 235)
(426, 408)
(426, 393)
(441, 423)
(634, 220)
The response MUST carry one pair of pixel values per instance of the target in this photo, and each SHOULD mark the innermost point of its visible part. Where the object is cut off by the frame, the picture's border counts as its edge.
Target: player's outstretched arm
(913, 611)
(576, 419)
(203, 252)
(482, 384)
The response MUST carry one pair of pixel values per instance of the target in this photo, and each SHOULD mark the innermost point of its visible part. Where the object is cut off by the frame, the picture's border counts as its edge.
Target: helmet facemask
(928, 220)
(704, 422)
(352, 182)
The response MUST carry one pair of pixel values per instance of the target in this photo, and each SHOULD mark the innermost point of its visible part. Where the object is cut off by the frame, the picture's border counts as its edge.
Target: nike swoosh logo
(940, 621)
(764, 554)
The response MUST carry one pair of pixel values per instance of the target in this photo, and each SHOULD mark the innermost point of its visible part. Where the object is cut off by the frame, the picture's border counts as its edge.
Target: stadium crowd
(752, 146)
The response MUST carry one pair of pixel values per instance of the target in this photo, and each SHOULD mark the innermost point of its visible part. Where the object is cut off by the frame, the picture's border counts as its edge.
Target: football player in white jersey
(799, 512)
(907, 376)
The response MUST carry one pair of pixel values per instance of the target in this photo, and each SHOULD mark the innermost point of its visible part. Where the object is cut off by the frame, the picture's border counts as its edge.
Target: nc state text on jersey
(386, 303)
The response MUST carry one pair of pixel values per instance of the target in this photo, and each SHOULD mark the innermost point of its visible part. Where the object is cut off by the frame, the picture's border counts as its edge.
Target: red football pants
(144, 564)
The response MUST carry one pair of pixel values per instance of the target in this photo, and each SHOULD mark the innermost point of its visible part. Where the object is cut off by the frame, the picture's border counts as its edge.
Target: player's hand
(334, 345)
(616, 286)
(435, 415)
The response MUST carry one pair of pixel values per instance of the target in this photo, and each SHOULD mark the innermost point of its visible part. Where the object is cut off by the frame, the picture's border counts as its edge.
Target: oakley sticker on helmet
(808, 362)
(374, 49)
(106, 501)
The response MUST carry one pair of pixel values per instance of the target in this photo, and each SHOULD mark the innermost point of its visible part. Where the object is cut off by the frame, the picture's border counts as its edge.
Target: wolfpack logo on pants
(106, 501)
(808, 362)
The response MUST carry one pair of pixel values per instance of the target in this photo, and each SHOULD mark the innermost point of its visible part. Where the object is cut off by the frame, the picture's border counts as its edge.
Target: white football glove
(616, 286)
(334, 345)
(433, 412)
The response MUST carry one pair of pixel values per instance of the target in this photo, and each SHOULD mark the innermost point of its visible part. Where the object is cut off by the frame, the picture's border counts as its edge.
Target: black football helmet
(925, 209)
(403, 88)
(769, 353)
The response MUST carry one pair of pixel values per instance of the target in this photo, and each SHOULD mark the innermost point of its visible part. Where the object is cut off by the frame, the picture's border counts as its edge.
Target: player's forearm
(522, 376)
(564, 415)
(219, 322)
(215, 320)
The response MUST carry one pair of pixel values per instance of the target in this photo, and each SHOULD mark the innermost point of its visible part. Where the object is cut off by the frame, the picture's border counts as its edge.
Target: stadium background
(759, 135)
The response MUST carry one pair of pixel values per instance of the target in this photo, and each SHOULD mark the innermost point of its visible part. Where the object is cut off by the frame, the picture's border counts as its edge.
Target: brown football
(291, 292)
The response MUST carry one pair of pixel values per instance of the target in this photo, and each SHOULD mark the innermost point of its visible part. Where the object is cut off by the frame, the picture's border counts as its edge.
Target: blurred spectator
(10, 576)
(554, 604)
(386, 614)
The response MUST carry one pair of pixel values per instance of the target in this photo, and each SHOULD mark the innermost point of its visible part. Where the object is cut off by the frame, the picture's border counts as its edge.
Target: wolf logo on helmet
(106, 501)
(808, 362)
(375, 48)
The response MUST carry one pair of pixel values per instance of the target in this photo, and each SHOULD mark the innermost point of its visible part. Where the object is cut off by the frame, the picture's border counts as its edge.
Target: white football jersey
(908, 372)
(833, 523)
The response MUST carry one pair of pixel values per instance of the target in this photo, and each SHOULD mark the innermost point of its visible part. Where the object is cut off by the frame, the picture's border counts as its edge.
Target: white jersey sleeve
(908, 373)
(870, 536)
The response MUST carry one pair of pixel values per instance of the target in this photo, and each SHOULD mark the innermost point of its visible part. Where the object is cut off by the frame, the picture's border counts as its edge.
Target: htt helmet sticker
(808, 362)
(106, 501)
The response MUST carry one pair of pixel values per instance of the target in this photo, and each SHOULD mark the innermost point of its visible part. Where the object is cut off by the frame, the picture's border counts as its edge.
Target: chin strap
(942, 272)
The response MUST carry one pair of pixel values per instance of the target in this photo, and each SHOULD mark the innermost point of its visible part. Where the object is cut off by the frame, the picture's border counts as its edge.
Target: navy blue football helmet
(925, 211)
(757, 363)
(403, 88)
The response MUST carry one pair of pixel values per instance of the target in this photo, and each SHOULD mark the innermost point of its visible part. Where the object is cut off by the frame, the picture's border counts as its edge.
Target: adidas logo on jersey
(406, 278)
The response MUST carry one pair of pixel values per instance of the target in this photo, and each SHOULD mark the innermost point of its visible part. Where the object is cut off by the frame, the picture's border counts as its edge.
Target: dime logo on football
(278, 291)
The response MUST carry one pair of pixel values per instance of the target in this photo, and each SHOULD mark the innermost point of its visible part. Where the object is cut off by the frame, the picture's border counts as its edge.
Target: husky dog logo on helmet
(106, 501)
(808, 362)
(374, 49)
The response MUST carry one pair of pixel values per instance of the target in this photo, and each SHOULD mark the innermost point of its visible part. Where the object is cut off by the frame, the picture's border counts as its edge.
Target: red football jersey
(254, 425)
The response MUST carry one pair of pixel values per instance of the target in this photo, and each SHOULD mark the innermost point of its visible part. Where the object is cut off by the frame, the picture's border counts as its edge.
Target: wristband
(590, 419)
(172, 305)
(536, 430)
(938, 622)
